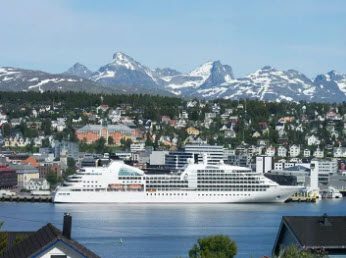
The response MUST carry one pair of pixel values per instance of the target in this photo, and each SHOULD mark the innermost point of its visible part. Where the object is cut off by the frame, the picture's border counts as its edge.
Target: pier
(26, 198)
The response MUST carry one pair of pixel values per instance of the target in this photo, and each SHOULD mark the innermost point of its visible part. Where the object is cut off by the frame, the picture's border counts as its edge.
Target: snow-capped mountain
(208, 75)
(210, 80)
(15, 79)
(79, 70)
(332, 82)
(126, 72)
(166, 72)
(271, 84)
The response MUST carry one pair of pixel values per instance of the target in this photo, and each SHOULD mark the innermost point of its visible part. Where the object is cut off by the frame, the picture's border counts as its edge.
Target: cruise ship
(198, 183)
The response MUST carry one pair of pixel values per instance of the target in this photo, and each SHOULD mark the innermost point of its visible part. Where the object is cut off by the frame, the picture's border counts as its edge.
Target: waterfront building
(39, 184)
(324, 169)
(124, 155)
(313, 233)
(296, 175)
(71, 149)
(137, 147)
(8, 177)
(213, 152)
(49, 167)
(24, 174)
(158, 158)
(241, 160)
(177, 160)
(264, 164)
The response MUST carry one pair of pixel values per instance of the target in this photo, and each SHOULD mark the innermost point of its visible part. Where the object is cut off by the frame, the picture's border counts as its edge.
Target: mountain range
(209, 81)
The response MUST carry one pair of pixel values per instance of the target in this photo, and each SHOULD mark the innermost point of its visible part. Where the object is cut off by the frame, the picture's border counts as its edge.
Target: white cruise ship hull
(276, 194)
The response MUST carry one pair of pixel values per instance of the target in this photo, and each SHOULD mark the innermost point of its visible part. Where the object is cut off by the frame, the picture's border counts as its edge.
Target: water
(145, 230)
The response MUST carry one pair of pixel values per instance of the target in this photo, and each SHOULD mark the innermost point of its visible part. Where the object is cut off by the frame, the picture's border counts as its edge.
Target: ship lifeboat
(135, 187)
(116, 186)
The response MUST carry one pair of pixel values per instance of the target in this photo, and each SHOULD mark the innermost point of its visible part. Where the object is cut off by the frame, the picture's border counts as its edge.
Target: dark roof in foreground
(318, 231)
(36, 242)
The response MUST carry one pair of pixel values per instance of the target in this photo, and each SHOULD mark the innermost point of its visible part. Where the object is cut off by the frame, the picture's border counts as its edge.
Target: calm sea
(144, 230)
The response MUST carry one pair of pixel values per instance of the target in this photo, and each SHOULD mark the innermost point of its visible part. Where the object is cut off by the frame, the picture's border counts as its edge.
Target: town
(45, 137)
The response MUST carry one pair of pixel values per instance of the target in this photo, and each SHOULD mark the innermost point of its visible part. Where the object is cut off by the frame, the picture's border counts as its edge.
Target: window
(58, 256)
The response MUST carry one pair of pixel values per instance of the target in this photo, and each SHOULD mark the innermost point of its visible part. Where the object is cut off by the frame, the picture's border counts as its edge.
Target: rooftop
(39, 240)
(318, 231)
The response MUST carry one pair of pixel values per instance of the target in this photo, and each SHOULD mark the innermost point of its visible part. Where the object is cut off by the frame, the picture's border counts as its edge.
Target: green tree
(45, 143)
(215, 246)
(100, 145)
(6, 130)
(52, 178)
(110, 140)
(295, 252)
(71, 167)
(46, 127)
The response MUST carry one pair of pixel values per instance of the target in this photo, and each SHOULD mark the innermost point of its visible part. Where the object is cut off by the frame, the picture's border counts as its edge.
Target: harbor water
(161, 230)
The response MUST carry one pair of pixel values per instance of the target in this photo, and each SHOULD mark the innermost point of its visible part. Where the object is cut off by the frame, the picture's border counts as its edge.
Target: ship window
(129, 172)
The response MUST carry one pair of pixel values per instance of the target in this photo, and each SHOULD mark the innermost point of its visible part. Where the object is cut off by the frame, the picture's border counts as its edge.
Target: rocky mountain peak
(79, 70)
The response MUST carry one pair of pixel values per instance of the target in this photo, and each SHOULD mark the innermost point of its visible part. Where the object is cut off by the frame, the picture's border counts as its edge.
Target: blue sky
(307, 35)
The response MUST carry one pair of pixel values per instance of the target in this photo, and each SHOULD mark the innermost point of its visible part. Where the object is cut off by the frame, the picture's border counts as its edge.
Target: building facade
(91, 133)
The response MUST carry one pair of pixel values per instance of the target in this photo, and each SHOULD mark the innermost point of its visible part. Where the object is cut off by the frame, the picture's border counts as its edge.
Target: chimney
(67, 227)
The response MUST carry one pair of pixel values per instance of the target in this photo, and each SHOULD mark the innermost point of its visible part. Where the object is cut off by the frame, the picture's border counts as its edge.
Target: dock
(26, 198)
(303, 197)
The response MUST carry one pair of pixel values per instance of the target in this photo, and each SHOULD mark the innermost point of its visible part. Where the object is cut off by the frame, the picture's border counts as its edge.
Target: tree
(71, 167)
(110, 140)
(6, 130)
(45, 143)
(52, 178)
(215, 246)
(100, 145)
(3, 240)
(46, 127)
(295, 252)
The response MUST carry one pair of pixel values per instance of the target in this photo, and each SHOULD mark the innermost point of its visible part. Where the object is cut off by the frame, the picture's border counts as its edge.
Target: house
(339, 152)
(313, 140)
(37, 184)
(24, 174)
(306, 153)
(102, 108)
(8, 177)
(48, 241)
(294, 151)
(282, 151)
(270, 151)
(318, 153)
(314, 233)
(192, 131)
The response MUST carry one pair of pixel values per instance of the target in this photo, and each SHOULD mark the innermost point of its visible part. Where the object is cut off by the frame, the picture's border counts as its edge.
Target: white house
(313, 140)
(318, 153)
(294, 150)
(307, 153)
(270, 151)
(282, 151)
(339, 152)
